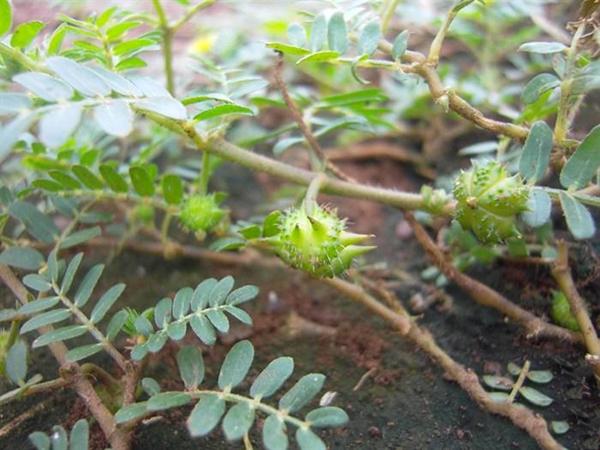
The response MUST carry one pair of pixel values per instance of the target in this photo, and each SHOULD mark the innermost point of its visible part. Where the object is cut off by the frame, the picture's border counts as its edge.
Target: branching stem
(485, 295)
(438, 41)
(522, 417)
(118, 439)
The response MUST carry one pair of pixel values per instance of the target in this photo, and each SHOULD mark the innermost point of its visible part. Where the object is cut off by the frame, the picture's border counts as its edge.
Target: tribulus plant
(168, 146)
(489, 201)
(316, 241)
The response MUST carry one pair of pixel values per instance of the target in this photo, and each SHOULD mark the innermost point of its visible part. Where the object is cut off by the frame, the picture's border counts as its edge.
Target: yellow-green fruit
(488, 202)
(201, 213)
(561, 312)
(316, 242)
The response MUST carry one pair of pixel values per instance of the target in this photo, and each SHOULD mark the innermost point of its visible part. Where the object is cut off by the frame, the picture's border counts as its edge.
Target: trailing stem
(520, 416)
(485, 295)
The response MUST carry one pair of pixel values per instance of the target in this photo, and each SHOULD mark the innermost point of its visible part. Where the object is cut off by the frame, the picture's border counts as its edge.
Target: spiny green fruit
(488, 202)
(316, 242)
(201, 213)
(561, 312)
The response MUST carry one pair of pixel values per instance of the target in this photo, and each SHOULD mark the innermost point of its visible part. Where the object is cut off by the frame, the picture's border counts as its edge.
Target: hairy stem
(318, 159)
(167, 45)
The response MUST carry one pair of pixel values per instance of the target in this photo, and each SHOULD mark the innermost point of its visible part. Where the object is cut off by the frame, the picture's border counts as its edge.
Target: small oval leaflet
(16, 362)
(308, 440)
(274, 436)
(238, 421)
(172, 189)
(44, 86)
(206, 415)
(559, 426)
(536, 152)
(130, 412)
(150, 386)
(579, 220)
(167, 400)
(497, 382)
(236, 365)
(302, 392)
(535, 396)
(583, 165)
(542, 47)
(272, 377)
(318, 33)
(369, 38)
(296, 34)
(5, 17)
(114, 117)
(22, 258)
(400, 45)
(337, 33)
(191, 366)
(539, 207)
(81, 78)
(537, 86)
(142, 181)
(165, 106)
(80, 435)
(58, 124)
(327, 416)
